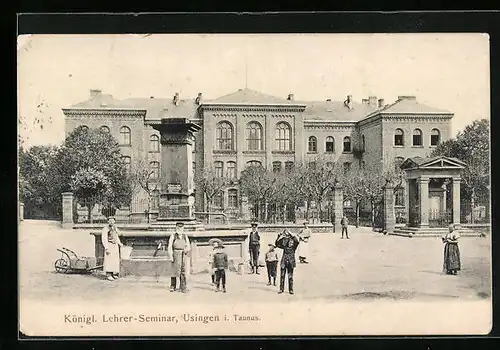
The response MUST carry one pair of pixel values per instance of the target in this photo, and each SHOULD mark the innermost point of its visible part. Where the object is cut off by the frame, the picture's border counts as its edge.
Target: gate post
(67, 210)
(338, 206)
(21, 211)
(389, 219)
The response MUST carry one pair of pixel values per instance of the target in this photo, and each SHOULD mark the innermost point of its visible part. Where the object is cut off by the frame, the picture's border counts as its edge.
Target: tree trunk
(319, 209)
(208, 211)
(90, 207)
(284, 213)
(307, 210)
(373, 214)
(149, 209)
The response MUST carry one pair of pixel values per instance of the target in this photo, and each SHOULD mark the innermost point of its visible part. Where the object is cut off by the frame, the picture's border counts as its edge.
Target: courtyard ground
(366, 267)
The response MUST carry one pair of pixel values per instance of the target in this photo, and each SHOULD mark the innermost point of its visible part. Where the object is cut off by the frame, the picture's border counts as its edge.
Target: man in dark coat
(289, 243)
(344, 222)
(254, 248)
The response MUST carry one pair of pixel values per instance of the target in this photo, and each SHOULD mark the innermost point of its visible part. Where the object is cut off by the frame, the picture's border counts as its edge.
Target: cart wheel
(61, 266)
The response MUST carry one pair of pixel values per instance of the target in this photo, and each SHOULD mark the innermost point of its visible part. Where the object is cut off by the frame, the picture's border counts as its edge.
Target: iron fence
(136, 212)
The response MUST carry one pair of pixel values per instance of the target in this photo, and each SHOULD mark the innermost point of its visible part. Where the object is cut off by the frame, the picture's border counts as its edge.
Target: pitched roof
(336, 111)
(249, 96)
(410, 106)
(419, 162)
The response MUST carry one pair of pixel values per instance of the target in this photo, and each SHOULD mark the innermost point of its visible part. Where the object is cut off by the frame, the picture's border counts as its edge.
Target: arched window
(276, 167)
(219, 169)
(288, 166)
(363, 143)
(105, 128)
(312, 144)
(255, 163)
(417, 137)
(283, 139)
(85, 128)
(254, 136)
(224, 136)
(155, 169)
(435, 137)
(125, 139)
(330, 144)
(399, 137)
(397, 163)
(347, 144)
(232, 196)
(154, 143)
(127, 162)
(231, 170)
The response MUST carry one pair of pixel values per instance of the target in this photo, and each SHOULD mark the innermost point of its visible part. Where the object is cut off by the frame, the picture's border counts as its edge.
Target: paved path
(366, 267)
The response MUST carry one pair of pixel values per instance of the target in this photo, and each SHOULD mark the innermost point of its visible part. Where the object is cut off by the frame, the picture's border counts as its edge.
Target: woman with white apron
(111, 242)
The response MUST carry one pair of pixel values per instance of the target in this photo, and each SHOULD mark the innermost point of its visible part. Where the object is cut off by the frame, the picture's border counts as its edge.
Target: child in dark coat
(220, 266)
(271, 264)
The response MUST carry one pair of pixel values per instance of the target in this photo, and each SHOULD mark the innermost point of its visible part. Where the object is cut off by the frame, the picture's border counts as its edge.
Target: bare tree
(211, 185)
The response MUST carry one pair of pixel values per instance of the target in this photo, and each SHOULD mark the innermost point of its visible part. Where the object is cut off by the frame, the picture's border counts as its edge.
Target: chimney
(176, 99)
(381, 103)
(290, 97)
(372, 101)
(365, 101)
(94, 93)
(199, 98)
(348, 102)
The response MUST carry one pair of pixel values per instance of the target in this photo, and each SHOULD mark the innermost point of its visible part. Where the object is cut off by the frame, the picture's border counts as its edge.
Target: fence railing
(136, 212)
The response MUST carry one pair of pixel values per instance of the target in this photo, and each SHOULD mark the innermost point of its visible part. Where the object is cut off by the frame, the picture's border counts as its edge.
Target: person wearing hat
(179, 248)
(289, 242)
(304, 236)
(271, 264)
(111, 242)
(254, 248)
(220, 264)
(214, 242)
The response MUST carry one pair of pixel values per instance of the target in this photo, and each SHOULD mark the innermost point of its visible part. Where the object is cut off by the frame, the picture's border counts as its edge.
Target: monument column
(424, 201)
(456, 200)
(177, 181)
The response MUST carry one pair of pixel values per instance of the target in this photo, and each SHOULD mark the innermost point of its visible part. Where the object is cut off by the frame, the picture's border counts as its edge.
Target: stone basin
(146, 260)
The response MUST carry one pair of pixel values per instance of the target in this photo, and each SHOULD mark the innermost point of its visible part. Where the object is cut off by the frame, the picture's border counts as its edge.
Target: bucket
(125, 252)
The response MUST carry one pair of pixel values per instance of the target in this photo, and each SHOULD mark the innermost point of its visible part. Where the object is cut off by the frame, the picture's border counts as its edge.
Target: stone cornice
(104, 112)
(252, 107)
(405, 116)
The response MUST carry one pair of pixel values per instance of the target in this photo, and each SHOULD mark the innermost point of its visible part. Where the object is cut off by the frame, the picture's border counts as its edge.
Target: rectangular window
(232, 199)
(219, 200)
(288, 166)
(219, 169)
(276, 167)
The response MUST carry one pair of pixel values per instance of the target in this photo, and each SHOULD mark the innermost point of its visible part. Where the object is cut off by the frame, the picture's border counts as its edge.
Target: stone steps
(431, 232)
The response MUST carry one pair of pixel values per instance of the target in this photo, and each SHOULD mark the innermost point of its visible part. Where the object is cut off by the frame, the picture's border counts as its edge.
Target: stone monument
(176, 175)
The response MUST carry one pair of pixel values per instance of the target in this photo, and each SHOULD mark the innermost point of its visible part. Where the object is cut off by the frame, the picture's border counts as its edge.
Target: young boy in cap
(220, 266)
(211, 254)
(271, 264)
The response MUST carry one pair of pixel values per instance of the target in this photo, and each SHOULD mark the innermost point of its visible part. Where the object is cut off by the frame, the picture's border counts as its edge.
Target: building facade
(248, 127)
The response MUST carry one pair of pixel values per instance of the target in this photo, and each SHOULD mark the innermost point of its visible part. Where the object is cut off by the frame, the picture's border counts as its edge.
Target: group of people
(179, 248)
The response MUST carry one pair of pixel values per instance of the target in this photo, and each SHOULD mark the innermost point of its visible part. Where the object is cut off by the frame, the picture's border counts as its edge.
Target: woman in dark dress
(451, 263)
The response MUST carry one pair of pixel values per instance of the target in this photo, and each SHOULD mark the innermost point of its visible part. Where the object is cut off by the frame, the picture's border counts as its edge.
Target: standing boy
(220, 266)
(271, 264)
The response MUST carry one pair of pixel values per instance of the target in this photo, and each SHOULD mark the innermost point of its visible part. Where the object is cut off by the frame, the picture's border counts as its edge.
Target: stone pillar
(389, 218)
(268, 141)
(21, 211)
(67, 210)
(456, 200)
(338, 206)
(407, 201)
(424, 202)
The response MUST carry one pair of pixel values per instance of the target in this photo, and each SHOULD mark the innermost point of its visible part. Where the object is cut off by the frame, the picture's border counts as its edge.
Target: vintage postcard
(254, 185)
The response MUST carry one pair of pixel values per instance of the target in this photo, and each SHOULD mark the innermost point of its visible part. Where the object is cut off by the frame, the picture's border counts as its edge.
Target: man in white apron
(111, 242)
(304, 236)
(179, 248)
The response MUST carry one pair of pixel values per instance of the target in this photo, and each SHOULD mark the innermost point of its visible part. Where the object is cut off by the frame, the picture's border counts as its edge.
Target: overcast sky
(447, 71)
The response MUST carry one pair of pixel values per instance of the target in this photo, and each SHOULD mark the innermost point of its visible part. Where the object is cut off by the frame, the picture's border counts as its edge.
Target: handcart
(70, 262)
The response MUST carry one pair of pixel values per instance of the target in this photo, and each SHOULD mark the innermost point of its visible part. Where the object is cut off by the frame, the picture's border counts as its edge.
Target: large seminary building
(248, 127)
